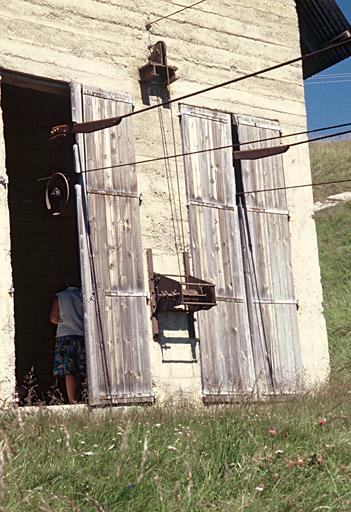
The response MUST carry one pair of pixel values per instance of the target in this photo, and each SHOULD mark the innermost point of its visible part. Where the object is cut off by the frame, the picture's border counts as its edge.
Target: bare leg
(72, 388)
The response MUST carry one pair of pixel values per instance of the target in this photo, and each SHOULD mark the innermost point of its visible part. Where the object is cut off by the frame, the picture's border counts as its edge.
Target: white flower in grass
(88, 454)
(260, 488)
(173, 448)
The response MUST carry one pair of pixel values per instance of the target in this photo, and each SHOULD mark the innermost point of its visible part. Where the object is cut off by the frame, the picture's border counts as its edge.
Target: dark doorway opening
(43, 247)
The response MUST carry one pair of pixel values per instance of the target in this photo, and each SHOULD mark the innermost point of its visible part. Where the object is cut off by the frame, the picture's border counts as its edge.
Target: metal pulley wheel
(57, 193)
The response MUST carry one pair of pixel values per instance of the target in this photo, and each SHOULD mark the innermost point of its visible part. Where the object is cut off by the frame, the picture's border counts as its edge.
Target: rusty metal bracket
(255, 154)
(178, 292)
(4, 181)
(63, 130)
(157, 68)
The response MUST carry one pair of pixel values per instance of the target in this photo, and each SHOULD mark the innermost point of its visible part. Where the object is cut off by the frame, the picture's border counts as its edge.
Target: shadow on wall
(152, 93)
(174, 340)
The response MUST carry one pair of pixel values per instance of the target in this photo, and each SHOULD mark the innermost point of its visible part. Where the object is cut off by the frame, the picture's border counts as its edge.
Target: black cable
(102, 124)
(157, 159)
(148, 25)
(254, 74)
(313, 184)
(241, 78)
(200, 151)
(102, 343)
(245, 229)
(170, 187)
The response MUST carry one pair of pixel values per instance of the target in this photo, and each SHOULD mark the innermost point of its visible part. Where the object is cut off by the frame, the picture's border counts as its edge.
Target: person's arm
(55, 312)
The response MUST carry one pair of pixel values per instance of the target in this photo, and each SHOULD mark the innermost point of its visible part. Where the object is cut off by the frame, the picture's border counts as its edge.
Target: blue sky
(330, 103)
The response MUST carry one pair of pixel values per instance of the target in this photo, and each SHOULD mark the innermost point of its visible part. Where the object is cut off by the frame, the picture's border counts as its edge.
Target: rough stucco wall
(103, 42)
(7, 352)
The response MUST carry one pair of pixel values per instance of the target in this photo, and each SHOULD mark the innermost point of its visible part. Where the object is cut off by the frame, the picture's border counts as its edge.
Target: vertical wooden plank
(112, 204)
(226, 355)
(265, 232)
(92, 337)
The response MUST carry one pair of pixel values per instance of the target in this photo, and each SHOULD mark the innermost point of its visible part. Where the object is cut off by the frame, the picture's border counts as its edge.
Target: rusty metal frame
(157, 67)
(178, 292)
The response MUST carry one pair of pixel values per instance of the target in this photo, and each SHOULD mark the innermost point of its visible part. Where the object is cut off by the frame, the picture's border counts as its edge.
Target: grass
(277, 457)
(272, 457)
(330, 161)
(334, 235)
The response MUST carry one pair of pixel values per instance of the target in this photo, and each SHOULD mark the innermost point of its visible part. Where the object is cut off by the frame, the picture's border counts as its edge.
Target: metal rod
(148, 25)
(200, 151)
(100, 124)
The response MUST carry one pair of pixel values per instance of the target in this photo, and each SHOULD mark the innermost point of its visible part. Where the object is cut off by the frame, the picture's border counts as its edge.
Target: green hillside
(332, 161)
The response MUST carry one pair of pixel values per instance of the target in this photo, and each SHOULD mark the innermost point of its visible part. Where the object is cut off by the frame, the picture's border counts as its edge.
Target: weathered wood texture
(117, 335)
(266, 248)
(226, 355)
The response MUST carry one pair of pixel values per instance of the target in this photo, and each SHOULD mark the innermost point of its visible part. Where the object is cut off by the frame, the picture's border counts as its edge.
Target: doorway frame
(8, 363)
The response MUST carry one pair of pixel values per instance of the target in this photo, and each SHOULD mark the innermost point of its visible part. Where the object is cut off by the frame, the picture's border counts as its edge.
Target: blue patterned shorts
(69, 355)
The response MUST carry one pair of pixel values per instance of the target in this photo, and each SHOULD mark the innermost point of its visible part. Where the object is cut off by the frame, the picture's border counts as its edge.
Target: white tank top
(71, 312)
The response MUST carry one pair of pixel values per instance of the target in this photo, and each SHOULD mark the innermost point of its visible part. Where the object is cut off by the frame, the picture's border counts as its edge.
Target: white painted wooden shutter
(111, 254)
(225, 347)
(272, 304)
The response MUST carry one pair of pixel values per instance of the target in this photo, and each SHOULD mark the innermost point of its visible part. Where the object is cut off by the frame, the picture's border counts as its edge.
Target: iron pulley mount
(185, 292)
(57, 193)
(157, 68)
(178, 293)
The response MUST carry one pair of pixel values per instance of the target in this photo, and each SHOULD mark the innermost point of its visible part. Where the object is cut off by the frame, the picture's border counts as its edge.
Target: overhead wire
(289, 187)
(329, 82)
(243, 77)
(95, 295)
(103, 123)
(218, 148)
(223, 84)
(258, 312)
(171, 194)
(149, 24)
(328, 75)
(182, 231)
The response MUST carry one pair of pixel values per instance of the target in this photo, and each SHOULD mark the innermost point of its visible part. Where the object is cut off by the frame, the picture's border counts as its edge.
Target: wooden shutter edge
(122, 97)
(226, 398)
(118, 395)
(191, 111)
(258, 122)
(87, 290)
(202, 113)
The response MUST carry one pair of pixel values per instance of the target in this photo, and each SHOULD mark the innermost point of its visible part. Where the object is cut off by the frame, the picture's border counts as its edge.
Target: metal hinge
(224, 298)
(118, 293)
(4, 181)
(15, 399)
(258, 209)
(276, 301)
(121, 193)
(217, 206)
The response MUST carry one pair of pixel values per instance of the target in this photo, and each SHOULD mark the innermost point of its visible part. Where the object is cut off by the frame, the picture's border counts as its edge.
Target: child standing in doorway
(69, 359)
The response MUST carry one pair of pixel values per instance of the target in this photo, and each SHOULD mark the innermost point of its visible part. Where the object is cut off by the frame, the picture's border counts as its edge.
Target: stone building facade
(99, 44)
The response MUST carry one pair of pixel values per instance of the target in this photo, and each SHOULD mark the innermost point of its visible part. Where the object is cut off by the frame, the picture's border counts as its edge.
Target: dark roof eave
(322, 23)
